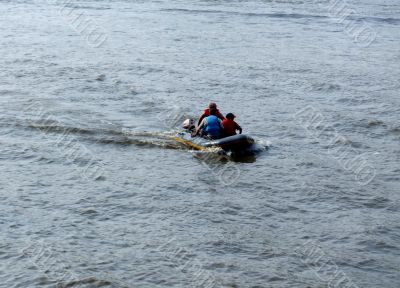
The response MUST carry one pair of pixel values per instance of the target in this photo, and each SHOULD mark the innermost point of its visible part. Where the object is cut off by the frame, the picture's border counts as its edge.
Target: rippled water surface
(95, 192)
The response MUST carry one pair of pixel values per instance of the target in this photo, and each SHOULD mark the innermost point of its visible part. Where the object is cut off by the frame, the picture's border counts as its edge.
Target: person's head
(212, 107)
(230, 116)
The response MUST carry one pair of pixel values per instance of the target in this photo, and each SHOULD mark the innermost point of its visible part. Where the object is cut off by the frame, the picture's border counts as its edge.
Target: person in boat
(230, 126)
(210, 126)
(207, 112)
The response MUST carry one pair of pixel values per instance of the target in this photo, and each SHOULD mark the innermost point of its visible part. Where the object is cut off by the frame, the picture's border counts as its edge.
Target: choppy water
(95, 194)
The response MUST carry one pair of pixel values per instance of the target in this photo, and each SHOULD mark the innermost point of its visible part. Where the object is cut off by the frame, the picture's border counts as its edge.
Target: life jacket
(230, 127)
(213, 127)
(206, 113)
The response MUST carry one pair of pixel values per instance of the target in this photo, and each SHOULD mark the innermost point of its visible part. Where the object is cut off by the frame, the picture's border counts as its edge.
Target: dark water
(94, 193)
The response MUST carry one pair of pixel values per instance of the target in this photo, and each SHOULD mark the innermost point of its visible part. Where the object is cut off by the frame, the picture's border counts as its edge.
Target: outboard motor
(189, 125)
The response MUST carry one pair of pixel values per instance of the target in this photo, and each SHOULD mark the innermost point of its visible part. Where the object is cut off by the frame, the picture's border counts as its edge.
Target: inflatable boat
(236, 143)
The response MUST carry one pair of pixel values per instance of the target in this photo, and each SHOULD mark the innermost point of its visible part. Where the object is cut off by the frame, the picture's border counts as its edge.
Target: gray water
(95, 192)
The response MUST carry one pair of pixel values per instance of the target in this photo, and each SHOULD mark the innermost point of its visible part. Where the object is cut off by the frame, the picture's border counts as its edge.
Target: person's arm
(196, 132)
(201, 119)
(238, 128)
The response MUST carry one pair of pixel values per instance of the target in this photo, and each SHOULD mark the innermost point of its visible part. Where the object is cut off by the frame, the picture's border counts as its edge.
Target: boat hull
(232, 143)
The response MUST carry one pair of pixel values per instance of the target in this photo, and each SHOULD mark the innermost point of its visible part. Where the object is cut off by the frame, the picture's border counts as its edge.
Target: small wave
(377, 202)
(347, 142)
(395, 130)
(249, 14)
(296, 71)
(90, 282)
(76, 6)
(101, 77)
(352, 100)
(4, 92)
(286, 15)
(325, 87)
(372, 244)
(63, 129)
(191, 10)
(372, 123)
(389, 20)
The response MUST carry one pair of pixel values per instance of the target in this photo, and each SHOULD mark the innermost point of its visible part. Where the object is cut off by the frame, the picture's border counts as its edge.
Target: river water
(95, 193)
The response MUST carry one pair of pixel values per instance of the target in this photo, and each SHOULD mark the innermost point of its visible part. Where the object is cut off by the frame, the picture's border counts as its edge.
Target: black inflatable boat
(236, 143)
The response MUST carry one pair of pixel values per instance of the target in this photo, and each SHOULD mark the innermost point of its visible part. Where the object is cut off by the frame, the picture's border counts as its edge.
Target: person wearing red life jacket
(206, 113)
(230, 126)
(211, 127)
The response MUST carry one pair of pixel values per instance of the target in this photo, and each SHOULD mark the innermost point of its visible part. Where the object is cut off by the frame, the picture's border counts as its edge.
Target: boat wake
(118, 135)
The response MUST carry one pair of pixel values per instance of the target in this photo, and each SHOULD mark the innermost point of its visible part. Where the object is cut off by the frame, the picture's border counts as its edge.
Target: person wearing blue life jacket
(210, 126)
